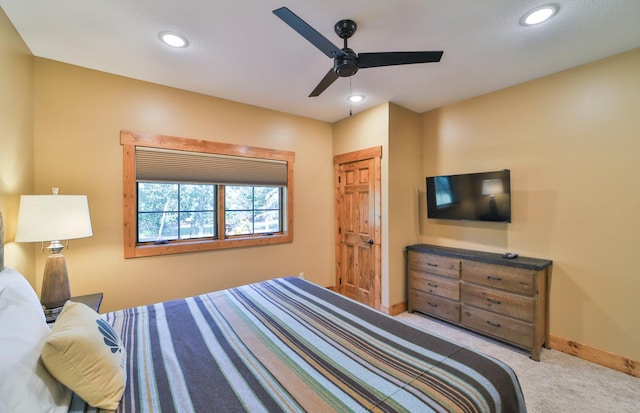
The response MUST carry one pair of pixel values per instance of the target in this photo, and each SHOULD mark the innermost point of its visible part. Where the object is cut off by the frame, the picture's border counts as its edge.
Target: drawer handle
(493, 324)
(432, 265)
(492, 301)
(492, 278)
(431, 304)
(432, 285)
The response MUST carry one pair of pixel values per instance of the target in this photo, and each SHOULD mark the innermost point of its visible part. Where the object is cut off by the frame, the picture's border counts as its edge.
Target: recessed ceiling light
(539, 15)
(173, 39)
(355, 98)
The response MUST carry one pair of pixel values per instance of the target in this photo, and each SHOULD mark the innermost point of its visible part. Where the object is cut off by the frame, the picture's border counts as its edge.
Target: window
(184, 195)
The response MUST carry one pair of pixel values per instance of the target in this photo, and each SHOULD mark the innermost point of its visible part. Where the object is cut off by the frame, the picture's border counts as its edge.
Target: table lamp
(53, 218)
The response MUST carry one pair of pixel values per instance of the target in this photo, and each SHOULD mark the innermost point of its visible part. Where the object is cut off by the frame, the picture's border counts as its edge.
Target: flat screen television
(483, 196)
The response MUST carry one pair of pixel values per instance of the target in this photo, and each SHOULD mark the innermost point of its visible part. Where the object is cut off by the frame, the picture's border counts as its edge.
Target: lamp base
(55, 284)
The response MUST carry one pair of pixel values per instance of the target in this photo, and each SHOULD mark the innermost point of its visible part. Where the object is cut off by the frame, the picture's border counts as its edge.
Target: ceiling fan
(346, 62)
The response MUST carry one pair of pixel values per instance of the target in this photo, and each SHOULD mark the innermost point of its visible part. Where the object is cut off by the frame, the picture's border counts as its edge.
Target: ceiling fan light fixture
(355, 98)
(539, 15)
(173, 39)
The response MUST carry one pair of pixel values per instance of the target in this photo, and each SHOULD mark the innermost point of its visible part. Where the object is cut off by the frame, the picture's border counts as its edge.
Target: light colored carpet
(558, 383)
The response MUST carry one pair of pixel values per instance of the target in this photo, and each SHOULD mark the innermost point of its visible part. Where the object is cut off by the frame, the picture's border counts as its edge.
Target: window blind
(153, 164)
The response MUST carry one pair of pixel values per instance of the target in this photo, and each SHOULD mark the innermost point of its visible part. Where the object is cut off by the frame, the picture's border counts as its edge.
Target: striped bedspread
(289, 345)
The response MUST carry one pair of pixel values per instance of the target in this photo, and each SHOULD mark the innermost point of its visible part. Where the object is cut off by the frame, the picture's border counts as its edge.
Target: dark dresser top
(535, 264)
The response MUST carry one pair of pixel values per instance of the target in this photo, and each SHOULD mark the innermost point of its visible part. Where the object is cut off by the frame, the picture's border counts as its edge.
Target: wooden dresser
(507, 299)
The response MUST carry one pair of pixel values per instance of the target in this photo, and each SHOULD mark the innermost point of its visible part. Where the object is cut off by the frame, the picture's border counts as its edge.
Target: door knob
(370, 242)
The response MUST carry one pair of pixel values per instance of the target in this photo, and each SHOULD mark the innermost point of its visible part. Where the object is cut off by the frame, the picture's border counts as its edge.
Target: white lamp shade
(53, 218)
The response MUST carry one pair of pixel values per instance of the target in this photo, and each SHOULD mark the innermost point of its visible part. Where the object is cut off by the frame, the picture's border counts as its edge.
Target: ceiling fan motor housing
(347, 65)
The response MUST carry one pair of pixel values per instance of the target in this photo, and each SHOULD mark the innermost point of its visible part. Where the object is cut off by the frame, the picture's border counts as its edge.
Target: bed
(289, 345)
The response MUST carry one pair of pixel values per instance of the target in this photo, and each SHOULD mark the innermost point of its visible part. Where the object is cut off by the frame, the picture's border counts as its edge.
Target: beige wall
(16, 140)
(572, 143)
(77, 120)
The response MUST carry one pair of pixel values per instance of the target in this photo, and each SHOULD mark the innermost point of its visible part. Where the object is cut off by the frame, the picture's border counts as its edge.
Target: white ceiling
(239, 50)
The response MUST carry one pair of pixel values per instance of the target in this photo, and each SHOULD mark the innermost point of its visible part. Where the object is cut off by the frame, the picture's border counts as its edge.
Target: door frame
(374, 153)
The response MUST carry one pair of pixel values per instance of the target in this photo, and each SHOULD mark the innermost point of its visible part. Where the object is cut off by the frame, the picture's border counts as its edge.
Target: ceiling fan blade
(326, 81)
(308, 32)
(396, 58)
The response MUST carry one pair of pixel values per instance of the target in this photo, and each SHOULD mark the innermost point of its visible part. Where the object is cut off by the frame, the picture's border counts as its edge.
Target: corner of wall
(16, 141)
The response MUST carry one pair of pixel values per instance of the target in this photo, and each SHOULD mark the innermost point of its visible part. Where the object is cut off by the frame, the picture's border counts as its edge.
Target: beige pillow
(86, 355)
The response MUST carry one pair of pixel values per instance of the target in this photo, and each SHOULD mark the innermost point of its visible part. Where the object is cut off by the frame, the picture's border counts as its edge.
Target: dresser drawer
(502, 302)
(434, 284)
(434, 305)
(505, 278)
(515, 331)
(434, 264)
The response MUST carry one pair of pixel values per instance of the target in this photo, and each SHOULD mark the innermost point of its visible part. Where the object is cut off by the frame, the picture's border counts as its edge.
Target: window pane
(238, 198)
(157, 226)
(148, 225)
(239, 222)
(197, 225)
(267, 197)
(157, 197)
(267, 221)
(196, 197)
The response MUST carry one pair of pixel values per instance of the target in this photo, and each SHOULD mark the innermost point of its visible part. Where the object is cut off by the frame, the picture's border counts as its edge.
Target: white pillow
(25, 384)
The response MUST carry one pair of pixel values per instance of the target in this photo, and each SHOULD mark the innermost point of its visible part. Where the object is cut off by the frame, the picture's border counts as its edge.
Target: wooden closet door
(357, 238)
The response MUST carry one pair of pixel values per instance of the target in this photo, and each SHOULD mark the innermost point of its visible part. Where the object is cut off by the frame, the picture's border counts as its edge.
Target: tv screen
(483, 196)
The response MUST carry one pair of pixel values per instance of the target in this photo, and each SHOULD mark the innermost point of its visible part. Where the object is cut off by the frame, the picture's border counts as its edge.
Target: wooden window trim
(129, 140)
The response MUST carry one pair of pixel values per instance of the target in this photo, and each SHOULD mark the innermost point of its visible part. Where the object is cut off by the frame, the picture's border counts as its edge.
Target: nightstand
(92, 300)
